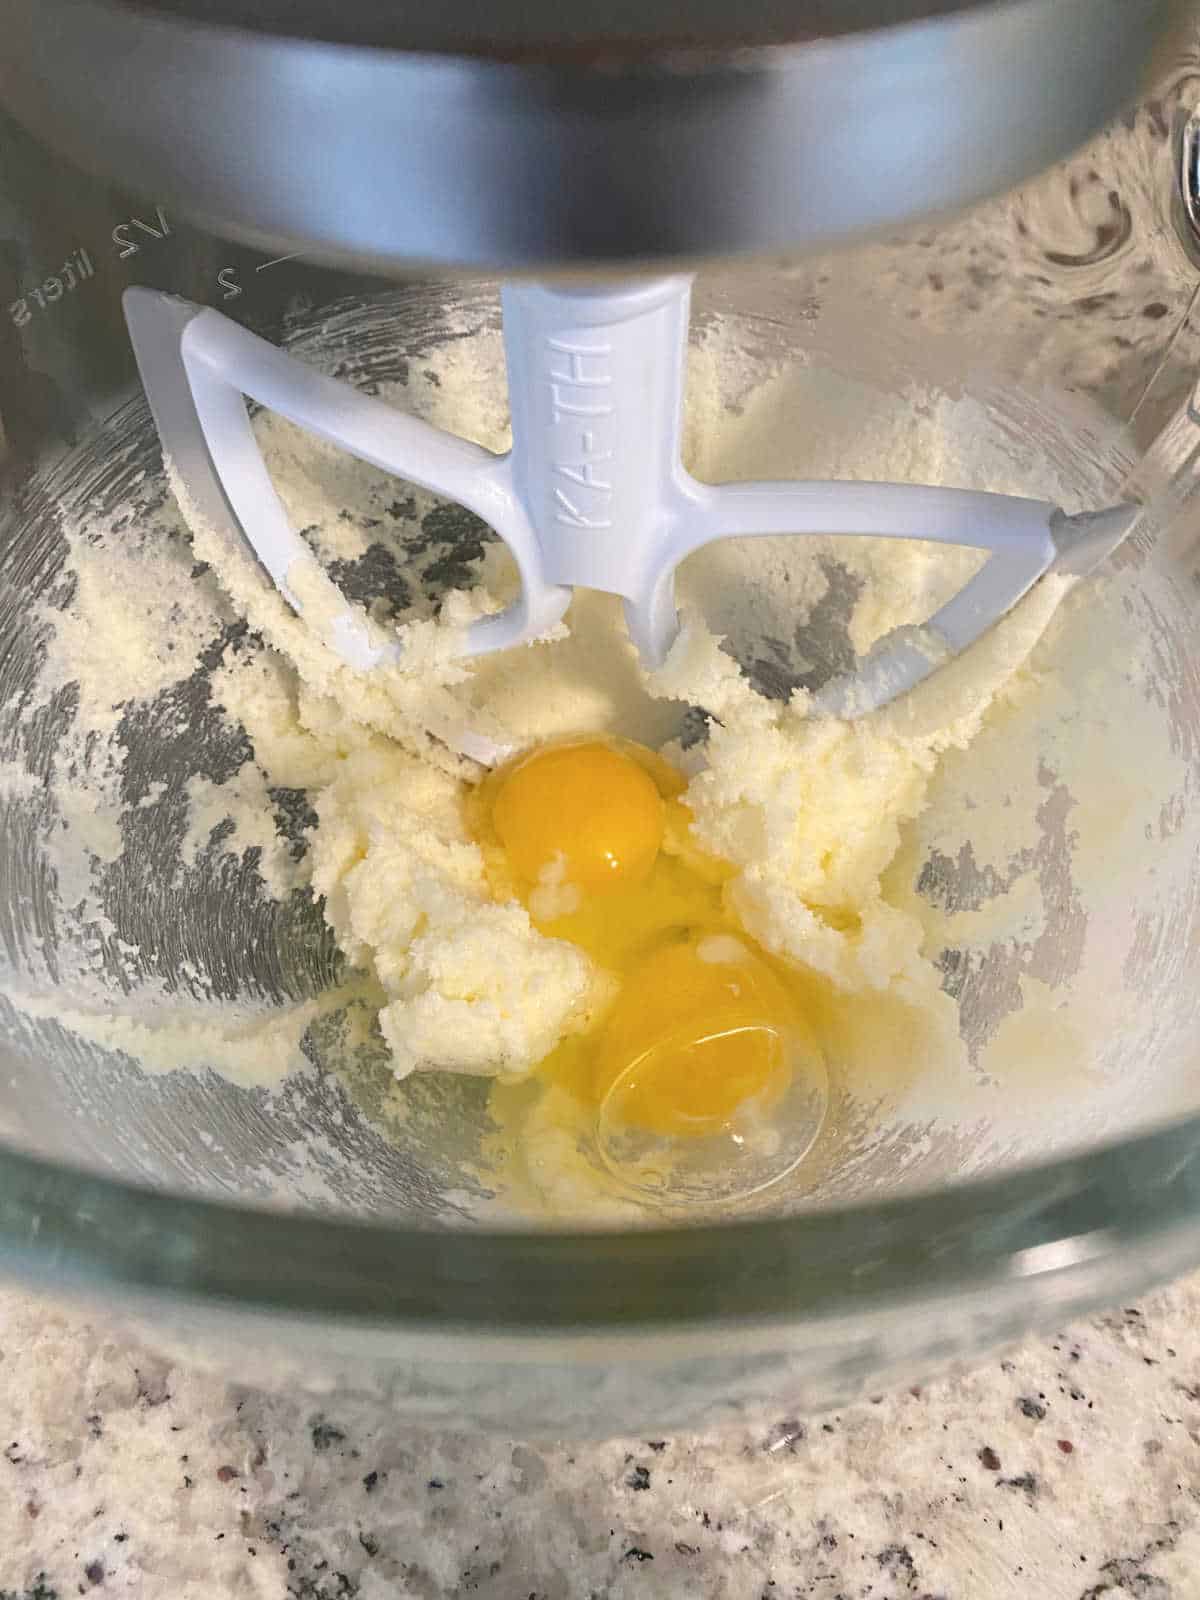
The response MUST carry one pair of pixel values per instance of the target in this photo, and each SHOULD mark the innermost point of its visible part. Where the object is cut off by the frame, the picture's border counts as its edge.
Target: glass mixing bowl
(331, 1235)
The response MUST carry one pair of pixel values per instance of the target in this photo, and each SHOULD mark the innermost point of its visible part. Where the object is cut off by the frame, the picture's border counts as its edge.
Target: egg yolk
(582, 814)
(702, 1024)
(699, 1029)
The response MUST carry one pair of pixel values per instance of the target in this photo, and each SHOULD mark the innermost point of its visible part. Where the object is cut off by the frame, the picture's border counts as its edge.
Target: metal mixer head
(590, 134)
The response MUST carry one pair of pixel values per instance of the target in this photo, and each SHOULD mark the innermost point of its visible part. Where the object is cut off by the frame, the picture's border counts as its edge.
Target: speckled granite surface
(1070, 1469)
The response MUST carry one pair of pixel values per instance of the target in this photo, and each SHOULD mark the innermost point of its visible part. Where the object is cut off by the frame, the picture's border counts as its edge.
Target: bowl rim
(76, 1229)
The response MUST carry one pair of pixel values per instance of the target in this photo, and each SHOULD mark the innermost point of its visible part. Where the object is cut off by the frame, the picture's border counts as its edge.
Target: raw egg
(696, 1030)
(582, 815)
(705, 1077)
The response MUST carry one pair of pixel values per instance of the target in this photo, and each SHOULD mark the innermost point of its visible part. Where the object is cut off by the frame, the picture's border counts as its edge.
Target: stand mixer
(594, 164)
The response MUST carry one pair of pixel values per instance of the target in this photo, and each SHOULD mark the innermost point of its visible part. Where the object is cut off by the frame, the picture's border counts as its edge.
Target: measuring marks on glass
(76, 269)
(129, 238)
(227, 278)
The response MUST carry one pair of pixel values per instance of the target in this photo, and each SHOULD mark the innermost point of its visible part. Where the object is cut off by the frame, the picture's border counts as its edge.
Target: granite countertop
(1068, 1470)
